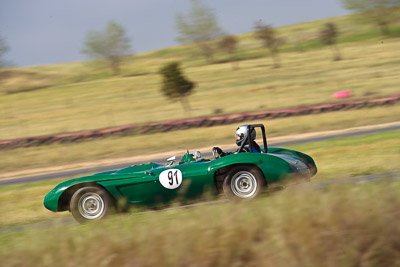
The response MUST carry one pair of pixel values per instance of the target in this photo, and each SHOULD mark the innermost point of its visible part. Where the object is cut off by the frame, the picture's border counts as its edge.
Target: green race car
(239, 175)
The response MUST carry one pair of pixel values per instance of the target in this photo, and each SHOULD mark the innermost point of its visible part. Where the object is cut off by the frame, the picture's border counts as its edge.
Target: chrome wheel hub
(244, 184)
(91, 206)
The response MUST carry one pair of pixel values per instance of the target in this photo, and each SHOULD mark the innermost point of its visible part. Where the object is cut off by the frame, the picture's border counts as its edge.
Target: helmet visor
(239, 139)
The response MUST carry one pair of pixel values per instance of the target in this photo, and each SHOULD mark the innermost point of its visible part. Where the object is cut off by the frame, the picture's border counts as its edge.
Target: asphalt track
(319, 185)
(85, 171)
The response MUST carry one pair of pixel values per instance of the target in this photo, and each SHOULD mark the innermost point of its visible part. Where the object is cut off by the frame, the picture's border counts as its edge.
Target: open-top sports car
(239, 175)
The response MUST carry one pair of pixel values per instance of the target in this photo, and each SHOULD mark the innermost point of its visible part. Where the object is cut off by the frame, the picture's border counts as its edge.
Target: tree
(199, 26)
(229, 45)
(112, 45)
(266, 33)
(380, 11)
(174, 85)
(328, 35)
(3, 49)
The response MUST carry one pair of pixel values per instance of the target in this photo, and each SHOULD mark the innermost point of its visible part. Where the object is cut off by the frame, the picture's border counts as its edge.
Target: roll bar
(250, 127)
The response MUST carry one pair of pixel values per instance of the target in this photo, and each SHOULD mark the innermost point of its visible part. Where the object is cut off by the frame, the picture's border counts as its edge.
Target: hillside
(75, 96)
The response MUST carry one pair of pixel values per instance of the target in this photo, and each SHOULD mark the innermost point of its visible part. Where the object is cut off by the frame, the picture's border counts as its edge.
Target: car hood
(131, 169)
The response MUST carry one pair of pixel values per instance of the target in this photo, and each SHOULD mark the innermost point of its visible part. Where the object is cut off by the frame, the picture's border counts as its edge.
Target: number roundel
(171, 178)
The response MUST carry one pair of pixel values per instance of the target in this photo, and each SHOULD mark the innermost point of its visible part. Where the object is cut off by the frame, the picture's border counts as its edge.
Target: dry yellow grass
(353, 225)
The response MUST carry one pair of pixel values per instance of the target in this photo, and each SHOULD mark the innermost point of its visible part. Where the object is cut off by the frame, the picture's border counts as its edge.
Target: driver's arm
(220, 152)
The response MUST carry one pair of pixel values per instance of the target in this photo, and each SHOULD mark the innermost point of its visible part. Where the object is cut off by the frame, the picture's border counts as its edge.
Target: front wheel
(243, 183)
(90, 203)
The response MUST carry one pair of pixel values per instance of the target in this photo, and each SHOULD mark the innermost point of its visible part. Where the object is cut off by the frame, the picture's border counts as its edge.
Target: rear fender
(272, 167)
(219, 175)
(309, 161)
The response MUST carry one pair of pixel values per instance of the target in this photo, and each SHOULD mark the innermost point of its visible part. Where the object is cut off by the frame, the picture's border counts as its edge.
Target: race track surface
(85, 171)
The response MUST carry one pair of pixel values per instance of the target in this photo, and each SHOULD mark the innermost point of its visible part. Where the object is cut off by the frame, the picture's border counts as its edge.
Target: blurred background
(95, 83)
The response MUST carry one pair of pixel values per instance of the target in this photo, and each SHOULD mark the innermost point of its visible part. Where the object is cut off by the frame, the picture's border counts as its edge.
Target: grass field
(338, 158)
(75, 97)
(353, 225)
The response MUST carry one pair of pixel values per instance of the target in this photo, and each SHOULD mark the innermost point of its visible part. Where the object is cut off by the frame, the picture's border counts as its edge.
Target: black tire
(243, 182)
(90, 203)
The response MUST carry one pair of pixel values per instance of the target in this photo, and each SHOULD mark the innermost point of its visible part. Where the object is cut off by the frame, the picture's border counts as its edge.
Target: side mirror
(197, 155)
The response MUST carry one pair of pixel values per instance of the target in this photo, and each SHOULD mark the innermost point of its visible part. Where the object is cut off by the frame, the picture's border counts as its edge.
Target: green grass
(362, 155)
(109, 148)
(23, 204)
(75, 96)
(342, 226)
(338, 158)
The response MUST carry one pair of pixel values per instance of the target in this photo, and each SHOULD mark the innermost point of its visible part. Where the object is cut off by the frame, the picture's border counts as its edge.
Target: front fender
(52, 198)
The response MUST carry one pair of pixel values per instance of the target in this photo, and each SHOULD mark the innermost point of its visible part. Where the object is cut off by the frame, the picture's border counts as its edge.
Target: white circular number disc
(171, 178)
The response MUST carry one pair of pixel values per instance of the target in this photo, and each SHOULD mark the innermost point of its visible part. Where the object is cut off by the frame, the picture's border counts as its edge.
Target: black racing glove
(218, 150)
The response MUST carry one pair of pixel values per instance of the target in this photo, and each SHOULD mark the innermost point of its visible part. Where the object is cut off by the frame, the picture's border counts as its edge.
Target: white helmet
(241, 134)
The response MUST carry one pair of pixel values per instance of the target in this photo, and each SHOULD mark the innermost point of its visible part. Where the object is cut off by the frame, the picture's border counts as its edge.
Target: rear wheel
(243, 182)
(90, 203)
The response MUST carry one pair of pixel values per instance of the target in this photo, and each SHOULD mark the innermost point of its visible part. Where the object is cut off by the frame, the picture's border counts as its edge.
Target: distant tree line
(199, 26)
